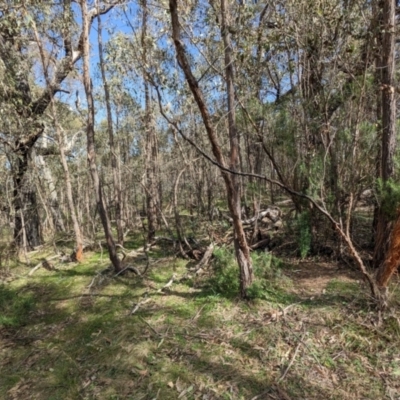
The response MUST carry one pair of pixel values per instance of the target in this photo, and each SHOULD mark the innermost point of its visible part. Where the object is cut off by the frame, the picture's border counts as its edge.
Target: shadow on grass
(309, 270)
(58, 343)
(244, 382)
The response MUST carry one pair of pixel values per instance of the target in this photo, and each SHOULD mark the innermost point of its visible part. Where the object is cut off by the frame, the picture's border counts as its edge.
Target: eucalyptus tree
(90, 138)
(24, 100)
(113, 148)
(387, 244)
(231, 183)
(385, 15)
(151, 151)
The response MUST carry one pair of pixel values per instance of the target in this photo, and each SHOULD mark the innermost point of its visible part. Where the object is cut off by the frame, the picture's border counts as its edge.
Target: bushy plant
(268, 277)
(225, 280)
(389, 197)
(303, 233)
(267, 273)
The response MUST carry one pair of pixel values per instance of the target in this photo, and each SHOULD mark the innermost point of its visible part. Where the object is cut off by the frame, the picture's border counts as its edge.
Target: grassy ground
(311, 334)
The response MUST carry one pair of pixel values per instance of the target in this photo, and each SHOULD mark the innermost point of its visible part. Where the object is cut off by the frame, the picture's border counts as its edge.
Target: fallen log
(273, 213)
(261, 244)
(205, 259)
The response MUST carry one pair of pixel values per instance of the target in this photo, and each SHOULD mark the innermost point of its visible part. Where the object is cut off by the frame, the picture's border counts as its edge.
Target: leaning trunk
(232, 186)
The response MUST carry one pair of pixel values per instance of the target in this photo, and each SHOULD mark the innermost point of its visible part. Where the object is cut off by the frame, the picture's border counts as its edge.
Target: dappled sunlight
(71, 335)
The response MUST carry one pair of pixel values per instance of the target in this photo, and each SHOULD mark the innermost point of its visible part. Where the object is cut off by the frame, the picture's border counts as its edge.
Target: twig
(92, 282)
(292, 359)
(128, 268)
(138, 305)
(261, 395)
(198, 312)
(41, 263)
(142, 319)
(168, 284)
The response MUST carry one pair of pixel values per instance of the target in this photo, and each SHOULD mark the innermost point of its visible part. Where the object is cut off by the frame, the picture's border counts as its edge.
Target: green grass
(61, 340)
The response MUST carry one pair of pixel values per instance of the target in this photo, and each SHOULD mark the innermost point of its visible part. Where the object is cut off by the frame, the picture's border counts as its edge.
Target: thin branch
(286, 188)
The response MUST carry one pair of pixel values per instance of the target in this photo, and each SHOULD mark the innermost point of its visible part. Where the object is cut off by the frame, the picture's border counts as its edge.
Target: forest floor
(73, 333)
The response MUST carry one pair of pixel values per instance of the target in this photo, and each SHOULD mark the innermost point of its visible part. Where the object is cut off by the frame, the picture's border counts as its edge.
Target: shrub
(225, 280)
(267, 273)
(303, 233)
(269, 279)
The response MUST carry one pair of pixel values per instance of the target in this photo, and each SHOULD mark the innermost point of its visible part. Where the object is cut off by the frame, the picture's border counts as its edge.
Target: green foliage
(268, 278)
(267, 273)
(303, 233)
(389, 197)
(225, 280)
(285, 129)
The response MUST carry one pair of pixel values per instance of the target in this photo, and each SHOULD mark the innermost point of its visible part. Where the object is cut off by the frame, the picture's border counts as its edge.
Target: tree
(385, 26)
(387, 244)
(90, 134)
(231, 184)
(151, 151)
(115, 163)
(27, 102)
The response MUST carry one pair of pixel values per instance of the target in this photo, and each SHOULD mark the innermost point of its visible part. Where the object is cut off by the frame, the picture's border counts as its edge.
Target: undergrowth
(71, 333)
(268, 276)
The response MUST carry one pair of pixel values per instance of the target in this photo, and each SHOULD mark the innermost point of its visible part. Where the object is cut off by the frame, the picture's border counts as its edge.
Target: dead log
(272, 213)
(45, 264)
(262, 244)
(205, 259)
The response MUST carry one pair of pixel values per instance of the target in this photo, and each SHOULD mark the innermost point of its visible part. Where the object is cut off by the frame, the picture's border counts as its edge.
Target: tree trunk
(151, 144)
(91, 151)
(71, 204)
(386, 33)
(233, 193)
(116, 174)
(53, 202)
(392, 260)
(387, 245)
(27, 231)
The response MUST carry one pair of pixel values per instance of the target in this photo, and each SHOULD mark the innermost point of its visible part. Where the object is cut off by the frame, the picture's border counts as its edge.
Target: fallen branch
(136, 306)
(168, 284)
(273, 213)
(128, 268)
(142, 319)
(44, 262)
(205, 259)
(261, 244)
(296, 350)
